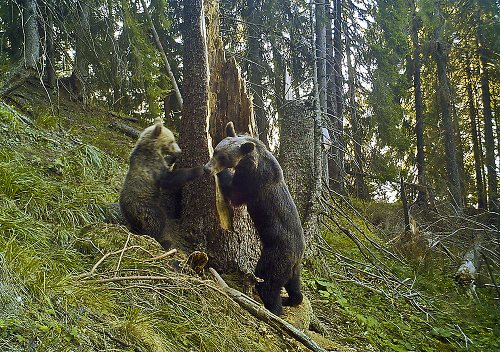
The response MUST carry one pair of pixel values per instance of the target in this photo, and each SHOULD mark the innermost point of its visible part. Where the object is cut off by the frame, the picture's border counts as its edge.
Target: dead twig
(164, 255)
(125, 278)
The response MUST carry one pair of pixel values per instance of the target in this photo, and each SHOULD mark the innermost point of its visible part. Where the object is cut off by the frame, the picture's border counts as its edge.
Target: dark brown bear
(258, 182)
(148, 175)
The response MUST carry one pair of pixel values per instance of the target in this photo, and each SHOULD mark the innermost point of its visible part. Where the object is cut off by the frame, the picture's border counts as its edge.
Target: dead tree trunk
(210, 101)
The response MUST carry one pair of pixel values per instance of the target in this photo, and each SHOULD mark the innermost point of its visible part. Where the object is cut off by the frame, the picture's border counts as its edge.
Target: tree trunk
(229, 237)
(198, 201)
(441, 59)
(422, 197)
(477, 150)
(297, 154)
(360, 186)
(252, 16)
(336, 162)
(32, 37)
(489, 141)
(81, 70)
(50, 60)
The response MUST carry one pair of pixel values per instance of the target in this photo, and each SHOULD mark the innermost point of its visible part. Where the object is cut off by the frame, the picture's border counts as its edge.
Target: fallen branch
(121, 251)
(129, 131)
(164, 255)
(126, 278)
(258, 311)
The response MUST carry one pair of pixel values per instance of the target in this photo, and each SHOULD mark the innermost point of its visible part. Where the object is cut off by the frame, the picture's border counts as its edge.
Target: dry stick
(164, 255)
(491, 274)
(125, 278)
(258, 311)
(113, 253)
(163, 55)
(121, 255)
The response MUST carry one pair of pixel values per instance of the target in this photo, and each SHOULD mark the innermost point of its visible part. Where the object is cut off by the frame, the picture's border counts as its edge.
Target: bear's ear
(230, 132)
(157, 131)
(247, 147)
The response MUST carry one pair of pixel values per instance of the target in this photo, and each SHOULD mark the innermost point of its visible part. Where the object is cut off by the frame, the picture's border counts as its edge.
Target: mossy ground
(58, 169)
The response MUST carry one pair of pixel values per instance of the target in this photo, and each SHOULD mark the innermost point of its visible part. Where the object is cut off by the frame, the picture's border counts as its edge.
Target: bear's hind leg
(293, 289)
(274, 272)
(153, 224)
(270, 294)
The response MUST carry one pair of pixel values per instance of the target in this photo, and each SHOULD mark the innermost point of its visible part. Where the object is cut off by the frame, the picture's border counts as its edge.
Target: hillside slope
(71, 281)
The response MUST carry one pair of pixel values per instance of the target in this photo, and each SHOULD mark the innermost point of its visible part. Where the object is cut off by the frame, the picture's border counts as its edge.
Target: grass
(54, 187)
(53, 192)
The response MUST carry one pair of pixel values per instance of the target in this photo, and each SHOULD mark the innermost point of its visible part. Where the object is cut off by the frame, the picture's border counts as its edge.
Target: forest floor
(72, 281)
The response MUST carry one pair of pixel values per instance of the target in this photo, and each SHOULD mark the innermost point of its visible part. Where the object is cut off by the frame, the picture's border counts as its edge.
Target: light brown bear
(258, 182)
(148, 175)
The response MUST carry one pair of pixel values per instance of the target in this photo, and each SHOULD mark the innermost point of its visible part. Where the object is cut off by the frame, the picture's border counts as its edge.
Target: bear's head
(230, 151)
(160, 138)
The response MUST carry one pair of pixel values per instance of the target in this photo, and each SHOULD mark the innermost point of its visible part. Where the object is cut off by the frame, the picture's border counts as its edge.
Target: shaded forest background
(398, 102)
(406, 88)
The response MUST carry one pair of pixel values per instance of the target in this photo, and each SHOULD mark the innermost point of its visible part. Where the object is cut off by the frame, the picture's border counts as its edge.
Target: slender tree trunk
(441, 59)
(321, 51)
(49, 32)
(32, 37)
(422, 197)
(460, 153)
(330, 77)
(252, 16)
(336, 164)
(360, 186)
(477, 150)
(279, 82)
(489, 141)
(82, 65)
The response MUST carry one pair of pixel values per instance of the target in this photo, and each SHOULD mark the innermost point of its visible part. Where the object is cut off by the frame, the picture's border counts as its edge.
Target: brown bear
(258, 182)
(149, 174)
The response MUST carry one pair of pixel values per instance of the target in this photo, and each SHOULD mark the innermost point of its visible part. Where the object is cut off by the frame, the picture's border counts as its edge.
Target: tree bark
(489, 141)
(297, 155)
(477, 150)
(255, 68)
(360, 186)
(198, 203)
(32, 37)
(422, 197)
(227, 234)
(336, 162)
(50, 47)
(441, 59)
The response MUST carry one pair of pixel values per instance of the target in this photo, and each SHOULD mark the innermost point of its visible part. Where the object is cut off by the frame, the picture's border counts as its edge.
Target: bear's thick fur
(148, 175)
(258, 182)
